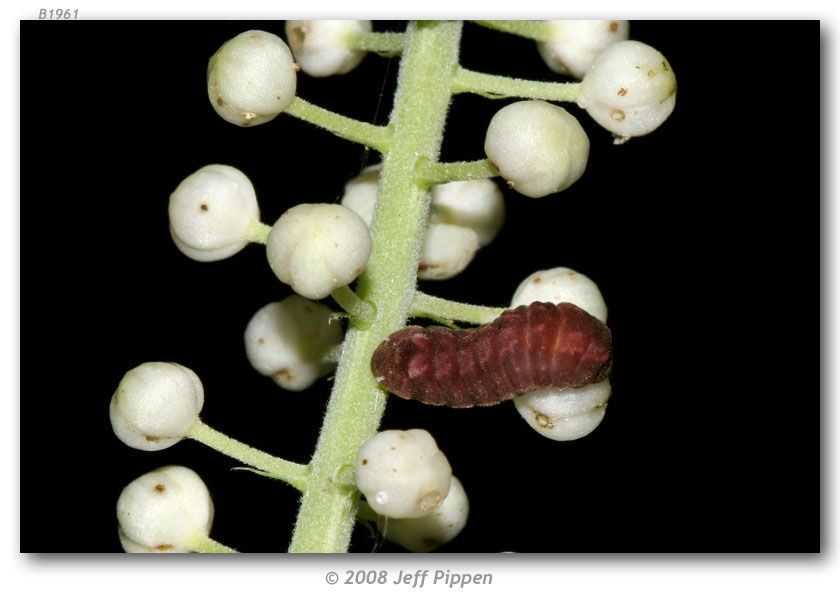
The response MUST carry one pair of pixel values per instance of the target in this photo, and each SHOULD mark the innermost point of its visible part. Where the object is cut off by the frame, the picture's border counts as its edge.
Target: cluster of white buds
(406, 478)
(213, 213)
(166, 510)
(320, 47)
(403, 474)
(464, 216)
(629, 90)
(436, 528)
(538, 147)
(573, 45)
(317, 248)
(251, 78)
(569, 413)
(287, 340)
(155, 405)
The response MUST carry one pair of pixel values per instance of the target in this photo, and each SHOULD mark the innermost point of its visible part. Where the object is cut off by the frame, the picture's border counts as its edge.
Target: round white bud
(573, 45)
(438, 527)
(403, 474)
(565, 414)
(165, 510)
(155, 405)
(447, 250)
(538, 147)
(285, 341)
(360, 193)
(251, 78)
(320, 47)
(561, 284)
(212, 212)
(476, 203)
(316, 248)
(629, 90)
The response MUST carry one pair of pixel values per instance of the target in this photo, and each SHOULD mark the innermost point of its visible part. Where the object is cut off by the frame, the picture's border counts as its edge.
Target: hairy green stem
(363, 313)
(535, 30)
(425, 305)
(290, 472)
(328, 507)
(435, 172)
(388, 43)
(204, 544)
(374, 136)
(501, 86)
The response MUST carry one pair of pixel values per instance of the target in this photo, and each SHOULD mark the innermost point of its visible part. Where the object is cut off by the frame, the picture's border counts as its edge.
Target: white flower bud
(320, 47)
(561, 284)
(212, 212)
(360, 193)
(403, 474)
(165, 510)
(629, 90)
(476, 203)
(447, 250)
(538, 147)
(565, 414)
(285, 340)
(251, 78)
(573, 45)
(440, 526)
(155, 405)
(316, 248)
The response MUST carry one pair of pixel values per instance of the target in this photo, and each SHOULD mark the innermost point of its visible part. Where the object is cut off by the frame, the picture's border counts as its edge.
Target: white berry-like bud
(629, 90)
(476, 203)
(155, 405)
(165, 510)
(316, 248)
(212, 212)
(285, 340)
(320, 47)
(561, 284)
(360, 193)
(565, 414)
(538, 147)
(447, 250)
(251, 78)
(440, 526)
(403, 474)
(573, 45)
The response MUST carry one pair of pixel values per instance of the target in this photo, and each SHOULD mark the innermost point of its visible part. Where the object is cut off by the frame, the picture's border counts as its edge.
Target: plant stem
(424, 305)
(368, 134)
(501, 86)
(435, 172)
(363, 313)
(380, 42)
(328, 508)
(293, 473)
(204, 544)
(258, 232)
(535, 30)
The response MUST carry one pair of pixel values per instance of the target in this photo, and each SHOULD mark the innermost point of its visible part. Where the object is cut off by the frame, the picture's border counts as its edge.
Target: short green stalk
(424, 305)
(535, 30)
(293, 473)
(387, 43)
(328, 508)
(501, 86)
(207, 545)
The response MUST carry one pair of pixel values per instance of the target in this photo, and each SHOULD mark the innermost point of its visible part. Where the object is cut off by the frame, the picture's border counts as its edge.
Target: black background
(704, 238)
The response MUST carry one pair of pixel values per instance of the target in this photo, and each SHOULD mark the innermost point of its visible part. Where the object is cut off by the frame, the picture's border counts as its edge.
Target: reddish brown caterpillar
(527, 348)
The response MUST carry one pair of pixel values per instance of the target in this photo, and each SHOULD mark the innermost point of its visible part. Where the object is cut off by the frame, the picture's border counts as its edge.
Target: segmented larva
(527, 348)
